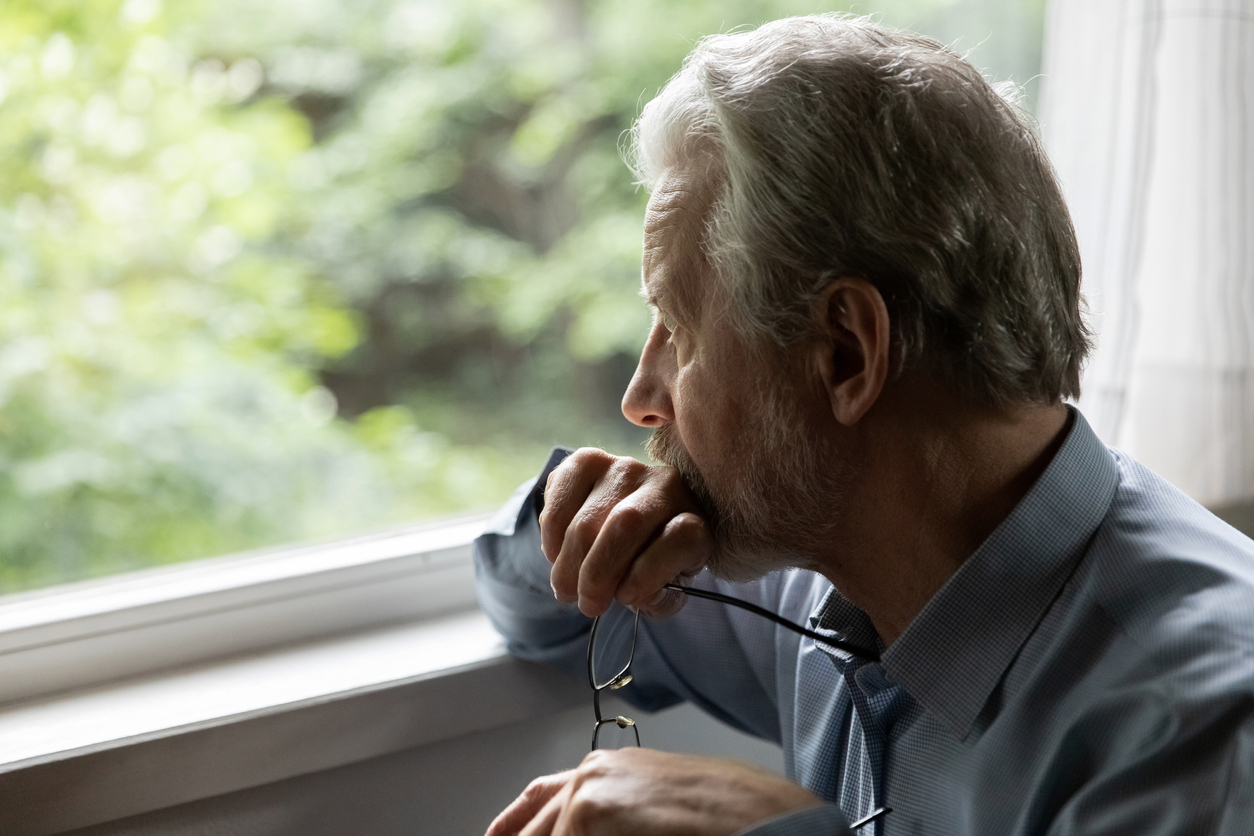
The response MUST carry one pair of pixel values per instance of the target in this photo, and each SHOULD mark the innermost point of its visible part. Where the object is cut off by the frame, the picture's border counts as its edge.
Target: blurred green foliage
(280, 271)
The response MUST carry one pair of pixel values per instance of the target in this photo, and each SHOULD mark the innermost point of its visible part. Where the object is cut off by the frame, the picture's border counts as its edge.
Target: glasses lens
(612, 648)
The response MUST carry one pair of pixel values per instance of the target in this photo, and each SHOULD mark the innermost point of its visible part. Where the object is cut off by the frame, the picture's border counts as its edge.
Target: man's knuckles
(592, 458)
(570, 563)
(545, 784)
(584, 467)
(539, 791)
(627, 470)
(588, 809)
(627, 521)
(625, 510)
(582, 532)
(594, 467)
(592, 799)
(616, 763)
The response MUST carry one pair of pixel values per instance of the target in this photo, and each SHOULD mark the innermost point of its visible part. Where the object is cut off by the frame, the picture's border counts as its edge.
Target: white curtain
(1147, 109)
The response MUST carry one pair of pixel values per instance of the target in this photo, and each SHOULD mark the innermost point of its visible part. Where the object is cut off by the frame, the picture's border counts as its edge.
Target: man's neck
(933, 489)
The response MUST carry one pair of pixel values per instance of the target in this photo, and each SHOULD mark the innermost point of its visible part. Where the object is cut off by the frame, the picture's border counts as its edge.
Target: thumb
(666, 603)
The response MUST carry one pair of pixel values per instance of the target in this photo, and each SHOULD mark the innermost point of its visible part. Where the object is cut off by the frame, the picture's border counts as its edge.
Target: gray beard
(773, 516)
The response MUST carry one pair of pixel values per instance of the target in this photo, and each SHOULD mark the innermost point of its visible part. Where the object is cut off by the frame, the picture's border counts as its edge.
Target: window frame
(90, 633)
(345, 651)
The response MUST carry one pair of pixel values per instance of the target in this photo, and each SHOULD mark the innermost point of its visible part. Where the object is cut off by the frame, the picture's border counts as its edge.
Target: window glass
(302, 268)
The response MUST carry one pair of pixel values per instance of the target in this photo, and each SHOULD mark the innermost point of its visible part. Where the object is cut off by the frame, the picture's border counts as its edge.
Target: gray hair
(840, 147)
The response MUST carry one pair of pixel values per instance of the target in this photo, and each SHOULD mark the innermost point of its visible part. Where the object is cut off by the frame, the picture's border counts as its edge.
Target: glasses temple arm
(780, 620)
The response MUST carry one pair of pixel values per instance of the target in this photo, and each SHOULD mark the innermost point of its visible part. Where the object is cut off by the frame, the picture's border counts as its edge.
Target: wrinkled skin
(616, 528)
(643, 792)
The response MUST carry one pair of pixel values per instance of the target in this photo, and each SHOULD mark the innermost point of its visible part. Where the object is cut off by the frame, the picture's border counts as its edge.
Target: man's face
(734, 421)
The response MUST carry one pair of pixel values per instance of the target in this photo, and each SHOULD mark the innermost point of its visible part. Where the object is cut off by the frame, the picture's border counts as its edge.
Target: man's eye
(668, 321)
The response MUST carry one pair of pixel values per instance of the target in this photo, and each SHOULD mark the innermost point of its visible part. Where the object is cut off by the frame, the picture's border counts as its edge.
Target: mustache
(664, 446)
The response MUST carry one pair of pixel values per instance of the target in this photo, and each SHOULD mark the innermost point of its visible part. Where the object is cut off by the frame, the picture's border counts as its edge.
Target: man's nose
(647, 402)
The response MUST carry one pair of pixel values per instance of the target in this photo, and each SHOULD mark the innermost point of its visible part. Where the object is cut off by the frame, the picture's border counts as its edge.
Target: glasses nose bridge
(620, 721)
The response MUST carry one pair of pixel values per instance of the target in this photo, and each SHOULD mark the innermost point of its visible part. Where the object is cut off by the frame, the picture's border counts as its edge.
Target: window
(286, 271)
(291, 270)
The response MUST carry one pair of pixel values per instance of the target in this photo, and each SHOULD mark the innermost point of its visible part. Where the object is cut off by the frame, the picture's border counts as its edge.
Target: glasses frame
(613, 684)
(847, 647)
(624, 675)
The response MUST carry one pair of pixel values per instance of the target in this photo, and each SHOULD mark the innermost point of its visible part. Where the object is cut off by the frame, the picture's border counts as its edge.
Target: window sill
(119, 750)
(86, 634)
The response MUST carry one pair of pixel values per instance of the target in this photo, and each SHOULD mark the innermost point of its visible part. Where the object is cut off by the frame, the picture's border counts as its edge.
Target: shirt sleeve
(512, 581)
(721, 659)
(824, 820)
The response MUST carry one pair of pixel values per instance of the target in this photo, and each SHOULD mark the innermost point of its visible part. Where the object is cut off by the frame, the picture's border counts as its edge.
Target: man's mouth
(664, 446)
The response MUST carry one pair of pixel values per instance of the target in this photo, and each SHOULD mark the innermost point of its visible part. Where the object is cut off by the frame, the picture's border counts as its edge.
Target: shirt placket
(876, 704)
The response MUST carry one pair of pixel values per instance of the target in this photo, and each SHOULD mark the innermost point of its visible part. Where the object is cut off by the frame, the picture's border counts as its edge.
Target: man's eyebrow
(653, 297)
(663, 302)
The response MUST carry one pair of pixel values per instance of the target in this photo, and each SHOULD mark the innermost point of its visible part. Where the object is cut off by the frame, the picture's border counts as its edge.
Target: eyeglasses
(610, 658)
(609, 668)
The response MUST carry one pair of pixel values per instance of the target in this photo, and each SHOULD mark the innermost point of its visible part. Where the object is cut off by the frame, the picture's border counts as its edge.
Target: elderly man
(867, 316)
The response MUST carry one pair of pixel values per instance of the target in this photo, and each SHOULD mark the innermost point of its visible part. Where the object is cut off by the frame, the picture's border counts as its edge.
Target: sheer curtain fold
(1146, 109)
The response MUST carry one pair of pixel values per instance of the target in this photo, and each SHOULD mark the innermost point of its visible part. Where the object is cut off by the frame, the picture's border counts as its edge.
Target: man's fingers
(628, 531)
(623, 535)
(604, 514)
(544, 822)
(616, 485)
(527, 806)
(565, 493)
(578, 539)
(682, 549)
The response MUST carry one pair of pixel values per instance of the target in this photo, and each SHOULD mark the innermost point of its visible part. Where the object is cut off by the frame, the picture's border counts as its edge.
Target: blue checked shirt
(1088, 670)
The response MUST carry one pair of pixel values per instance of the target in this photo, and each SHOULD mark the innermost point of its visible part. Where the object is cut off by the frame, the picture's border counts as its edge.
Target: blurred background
(281, 271)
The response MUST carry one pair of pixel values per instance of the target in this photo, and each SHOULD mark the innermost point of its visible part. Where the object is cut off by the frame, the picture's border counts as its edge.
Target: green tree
(159, 390)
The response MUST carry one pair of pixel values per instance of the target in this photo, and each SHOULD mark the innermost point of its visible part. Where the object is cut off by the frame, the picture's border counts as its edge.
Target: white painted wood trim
(90, 633)
(116, 751)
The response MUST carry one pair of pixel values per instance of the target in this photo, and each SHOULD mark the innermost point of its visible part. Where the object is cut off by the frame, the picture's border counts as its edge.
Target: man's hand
(615, 528)
(643, 792)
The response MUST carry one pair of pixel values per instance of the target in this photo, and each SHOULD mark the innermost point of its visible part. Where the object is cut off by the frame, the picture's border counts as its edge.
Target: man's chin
(741, 553)
(744, 563)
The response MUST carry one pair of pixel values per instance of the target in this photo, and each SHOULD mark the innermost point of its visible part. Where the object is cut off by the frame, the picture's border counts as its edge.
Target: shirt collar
(959, 646)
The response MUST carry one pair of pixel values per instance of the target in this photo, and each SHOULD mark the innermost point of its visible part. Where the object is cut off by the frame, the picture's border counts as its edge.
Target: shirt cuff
(824, 820)
(509, 548)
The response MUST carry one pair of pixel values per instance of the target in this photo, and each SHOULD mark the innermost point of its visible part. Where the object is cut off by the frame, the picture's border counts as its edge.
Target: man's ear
(854, 346)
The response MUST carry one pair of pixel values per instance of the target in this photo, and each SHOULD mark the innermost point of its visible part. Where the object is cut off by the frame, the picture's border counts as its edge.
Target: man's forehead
(674, 220)
(666, 217)
(673, 191)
